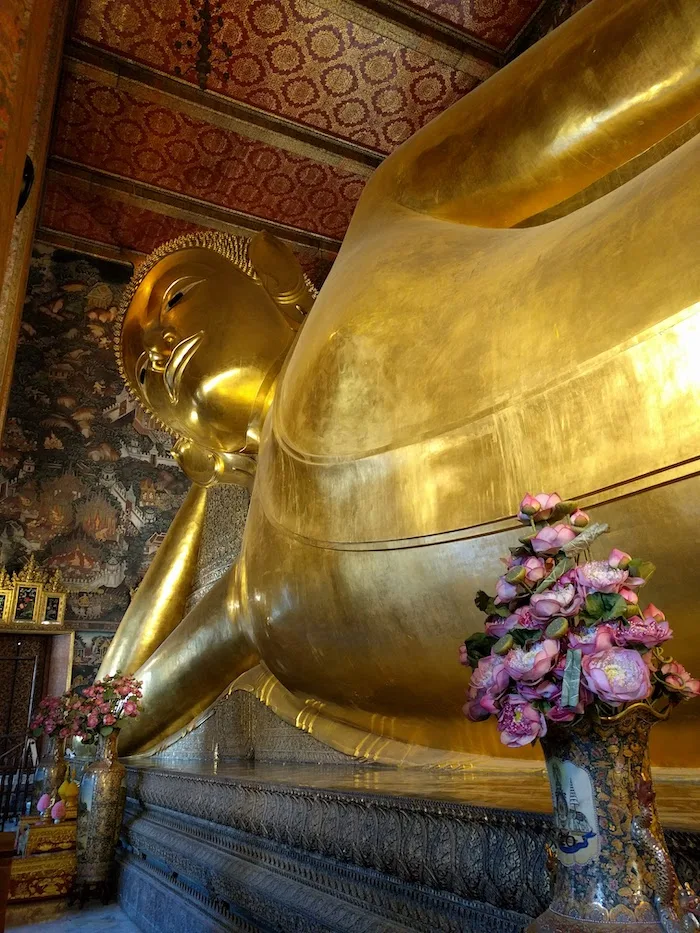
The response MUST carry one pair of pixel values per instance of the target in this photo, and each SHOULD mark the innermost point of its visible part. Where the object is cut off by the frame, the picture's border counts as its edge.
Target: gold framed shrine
(32, 596)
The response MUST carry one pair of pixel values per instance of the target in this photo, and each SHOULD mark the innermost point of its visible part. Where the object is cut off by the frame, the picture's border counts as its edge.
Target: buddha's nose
(158, 343)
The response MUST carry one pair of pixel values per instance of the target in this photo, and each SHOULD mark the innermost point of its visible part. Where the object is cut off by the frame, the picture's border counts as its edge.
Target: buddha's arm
(159, 603)
(605, 86)
(193, 666)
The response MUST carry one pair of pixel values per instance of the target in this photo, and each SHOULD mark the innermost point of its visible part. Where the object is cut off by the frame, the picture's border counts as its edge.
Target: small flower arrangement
(98, 711)
(51, 719)
(564, 633)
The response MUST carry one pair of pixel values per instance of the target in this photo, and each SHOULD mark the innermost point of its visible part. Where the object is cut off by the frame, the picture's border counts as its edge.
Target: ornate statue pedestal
(250, 846)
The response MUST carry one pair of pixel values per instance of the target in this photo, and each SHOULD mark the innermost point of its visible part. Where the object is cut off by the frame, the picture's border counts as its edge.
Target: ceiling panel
(294, 59)
(495, 22)
(125, 133)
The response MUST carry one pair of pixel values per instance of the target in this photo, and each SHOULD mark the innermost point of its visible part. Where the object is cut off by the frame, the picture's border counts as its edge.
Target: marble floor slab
(57, 917)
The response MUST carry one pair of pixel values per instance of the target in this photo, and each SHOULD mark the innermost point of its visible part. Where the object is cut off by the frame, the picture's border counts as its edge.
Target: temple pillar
(31, 43)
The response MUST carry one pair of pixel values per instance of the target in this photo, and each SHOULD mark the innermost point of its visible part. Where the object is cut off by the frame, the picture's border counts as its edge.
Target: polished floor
(57, 917)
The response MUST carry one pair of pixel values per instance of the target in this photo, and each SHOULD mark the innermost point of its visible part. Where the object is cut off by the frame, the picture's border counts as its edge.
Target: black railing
(17, 767)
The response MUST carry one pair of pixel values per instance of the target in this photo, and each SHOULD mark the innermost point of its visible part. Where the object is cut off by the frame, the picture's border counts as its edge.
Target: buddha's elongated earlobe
(281, 276)
(209, 468)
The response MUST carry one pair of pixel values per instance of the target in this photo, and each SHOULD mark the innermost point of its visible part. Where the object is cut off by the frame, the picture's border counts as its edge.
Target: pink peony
(655, 613)
(592, 640)
(519, 722)
(473, 709)
(646, 631)
(552, 538)
(618, 559)
(542, 690)
(559, 713)
(617, 675)
(523, 617)
(579, 519)
(131, 709)
(557, 601)
(528, 507)
(93, 720)
(535, 570)
(677, 678)
(532, 664)
(505, 591)
(109, 719)
(498, 626)
(104, 707)
(490, 675)
(599, 576)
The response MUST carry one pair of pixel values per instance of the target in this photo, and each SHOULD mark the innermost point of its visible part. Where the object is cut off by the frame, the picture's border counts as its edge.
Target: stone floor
(57, 917)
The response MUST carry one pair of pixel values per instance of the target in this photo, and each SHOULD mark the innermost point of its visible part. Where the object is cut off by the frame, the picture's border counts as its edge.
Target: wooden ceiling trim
(183, 207)
(79, 244)
(83, 59)
(448, 43)
(417, 29)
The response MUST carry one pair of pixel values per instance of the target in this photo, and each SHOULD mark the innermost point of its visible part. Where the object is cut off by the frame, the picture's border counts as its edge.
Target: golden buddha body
(514, 308)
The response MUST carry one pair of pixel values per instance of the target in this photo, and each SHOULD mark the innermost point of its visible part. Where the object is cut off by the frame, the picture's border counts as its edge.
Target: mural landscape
(87, 481)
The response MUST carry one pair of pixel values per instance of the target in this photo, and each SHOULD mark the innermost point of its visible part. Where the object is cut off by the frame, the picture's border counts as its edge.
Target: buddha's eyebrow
(177, 290)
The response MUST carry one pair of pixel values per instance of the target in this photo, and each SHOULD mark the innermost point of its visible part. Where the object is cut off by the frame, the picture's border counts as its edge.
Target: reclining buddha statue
(514, 307)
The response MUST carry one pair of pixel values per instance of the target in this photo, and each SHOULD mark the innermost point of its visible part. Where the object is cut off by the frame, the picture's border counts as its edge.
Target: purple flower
(535, 570)
(533, 663)
(505, 591)
(617, 675)
(529, 506)
(592, 640)
(490, 675)
(543, 690)
(599, 576)
(519, 722)
(552, 538)
(524, 618)
(557, 601)
(498, 626)
(643, 631)
(677, 678)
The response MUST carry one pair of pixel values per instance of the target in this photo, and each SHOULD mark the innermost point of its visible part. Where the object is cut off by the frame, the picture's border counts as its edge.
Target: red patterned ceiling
(91, 214)
(319, 91)
(496, 22)
(122, 133)
(296, 60)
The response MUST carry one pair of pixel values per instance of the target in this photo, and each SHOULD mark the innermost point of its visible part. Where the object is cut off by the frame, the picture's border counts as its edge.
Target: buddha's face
(201, 344)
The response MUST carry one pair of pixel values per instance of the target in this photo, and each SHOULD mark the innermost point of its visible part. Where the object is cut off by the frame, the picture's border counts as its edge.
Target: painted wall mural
(87, 481)
(88, 651)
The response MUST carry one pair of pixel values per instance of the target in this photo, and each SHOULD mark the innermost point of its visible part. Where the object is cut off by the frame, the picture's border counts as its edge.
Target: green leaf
(482, 601)
(479, 646)
(561, 510)
(571, 683)
(106, 730)
(562, 567)
(601, 607)
(641, 568)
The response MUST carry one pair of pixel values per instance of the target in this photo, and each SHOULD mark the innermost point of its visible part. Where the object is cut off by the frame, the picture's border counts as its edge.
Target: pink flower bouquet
(564, 633)
(50, 718)
(98, 711)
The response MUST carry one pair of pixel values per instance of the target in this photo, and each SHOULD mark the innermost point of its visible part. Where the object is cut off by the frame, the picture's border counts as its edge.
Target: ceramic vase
(100, 809)
(50, 772)
(613, 871)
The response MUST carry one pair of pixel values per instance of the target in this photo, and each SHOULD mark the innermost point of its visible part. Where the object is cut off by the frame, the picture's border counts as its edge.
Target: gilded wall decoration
(127, 134)
(87, 482)
(301, 61)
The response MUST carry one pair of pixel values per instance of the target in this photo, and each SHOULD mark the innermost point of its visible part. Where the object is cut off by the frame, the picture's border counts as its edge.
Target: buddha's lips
(180, 356)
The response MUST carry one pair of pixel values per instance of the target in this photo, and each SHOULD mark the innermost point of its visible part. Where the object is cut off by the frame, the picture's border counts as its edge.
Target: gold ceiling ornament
(451, 361)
